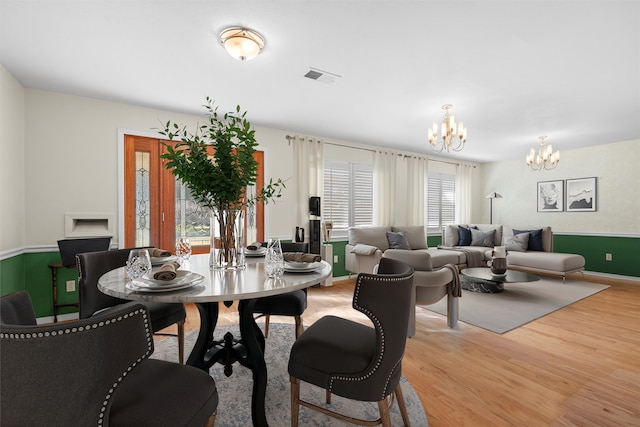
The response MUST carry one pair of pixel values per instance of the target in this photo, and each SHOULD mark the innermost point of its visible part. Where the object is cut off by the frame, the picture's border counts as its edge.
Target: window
(441, 201)
(348, 195)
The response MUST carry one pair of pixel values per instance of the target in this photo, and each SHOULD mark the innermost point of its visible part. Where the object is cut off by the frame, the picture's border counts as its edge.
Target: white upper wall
(12, 161)
(616, 167)
(66, 161)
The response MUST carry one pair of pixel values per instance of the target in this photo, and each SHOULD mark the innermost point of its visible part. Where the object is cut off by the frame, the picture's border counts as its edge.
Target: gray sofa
(368, 244)
(534, 255)
(432, 281)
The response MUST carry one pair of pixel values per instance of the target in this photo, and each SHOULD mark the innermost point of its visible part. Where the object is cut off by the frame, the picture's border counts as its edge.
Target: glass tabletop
(511, 276)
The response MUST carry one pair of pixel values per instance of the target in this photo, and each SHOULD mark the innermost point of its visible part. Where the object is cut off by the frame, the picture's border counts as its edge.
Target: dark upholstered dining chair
(92, 265)
(354, 360)
(291, 304)
(95, 372)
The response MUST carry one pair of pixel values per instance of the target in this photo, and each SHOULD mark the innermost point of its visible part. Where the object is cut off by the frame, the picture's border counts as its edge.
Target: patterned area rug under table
(235, 391)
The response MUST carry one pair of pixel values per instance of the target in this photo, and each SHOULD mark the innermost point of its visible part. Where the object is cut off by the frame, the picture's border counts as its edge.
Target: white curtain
(384, 184)
(399, 182)
(416, 178)
(464, 172)
(308, 166)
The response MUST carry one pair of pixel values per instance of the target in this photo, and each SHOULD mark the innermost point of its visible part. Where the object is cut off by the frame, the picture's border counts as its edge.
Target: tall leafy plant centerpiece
(217, 163)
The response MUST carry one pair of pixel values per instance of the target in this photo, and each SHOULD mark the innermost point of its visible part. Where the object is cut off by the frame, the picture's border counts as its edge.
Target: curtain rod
(289, 138)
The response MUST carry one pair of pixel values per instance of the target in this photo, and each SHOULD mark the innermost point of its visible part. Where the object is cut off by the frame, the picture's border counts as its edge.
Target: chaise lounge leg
(452, 310)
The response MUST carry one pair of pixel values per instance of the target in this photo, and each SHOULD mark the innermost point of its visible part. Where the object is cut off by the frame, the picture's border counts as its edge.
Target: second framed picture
(581, 195)
(551, 196)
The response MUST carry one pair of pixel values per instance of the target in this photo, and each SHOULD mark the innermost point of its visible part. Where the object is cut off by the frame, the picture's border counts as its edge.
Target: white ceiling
(514, 70)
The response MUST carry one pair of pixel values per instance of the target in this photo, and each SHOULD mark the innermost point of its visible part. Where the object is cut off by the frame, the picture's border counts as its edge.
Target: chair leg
(327, 397)
(212, 420)
(266, 325)
(385, 413)
(181, 341)
(295, 404)
(299, 326)
(402, 406)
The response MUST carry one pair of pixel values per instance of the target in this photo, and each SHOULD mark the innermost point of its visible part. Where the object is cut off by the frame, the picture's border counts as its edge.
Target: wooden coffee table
(482, 280)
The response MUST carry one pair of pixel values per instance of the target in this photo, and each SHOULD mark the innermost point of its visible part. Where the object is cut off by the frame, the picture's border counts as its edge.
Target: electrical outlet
(335, 259)
(608, 257)
(71, 285)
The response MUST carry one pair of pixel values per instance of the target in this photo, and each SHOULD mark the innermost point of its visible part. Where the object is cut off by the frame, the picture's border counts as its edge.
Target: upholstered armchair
(94, 372)
(354, 360)
(430, 284)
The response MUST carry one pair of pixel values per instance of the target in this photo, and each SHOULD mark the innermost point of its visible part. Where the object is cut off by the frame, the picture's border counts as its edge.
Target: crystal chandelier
(450, 130)
(545, 159)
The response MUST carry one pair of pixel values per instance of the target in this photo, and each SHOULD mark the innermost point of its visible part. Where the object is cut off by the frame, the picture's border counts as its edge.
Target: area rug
(234, 408)
(519, 303)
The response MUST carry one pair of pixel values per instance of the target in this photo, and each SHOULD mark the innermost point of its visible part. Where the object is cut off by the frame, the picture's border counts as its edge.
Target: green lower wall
(625, 252)
(30, 271)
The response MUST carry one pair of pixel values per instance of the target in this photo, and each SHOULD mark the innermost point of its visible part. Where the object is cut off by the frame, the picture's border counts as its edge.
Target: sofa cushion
(361, 249)
(397, 240)
(372, 236)
(549, 261)
(450, 235)
(416, 235)
(441, 257)
(482, 238)
(535, 239)
(517, 243)
(464, 236)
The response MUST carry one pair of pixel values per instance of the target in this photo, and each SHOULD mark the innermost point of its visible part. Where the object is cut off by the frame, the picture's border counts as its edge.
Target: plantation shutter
(335, 203)
(441, 200)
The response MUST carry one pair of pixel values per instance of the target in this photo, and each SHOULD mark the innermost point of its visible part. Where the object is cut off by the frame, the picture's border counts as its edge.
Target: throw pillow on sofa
(464, 236)
(416, 236)
(535, 239)
(518, 242)
(362, 249)
(482, 238)
(397, 240)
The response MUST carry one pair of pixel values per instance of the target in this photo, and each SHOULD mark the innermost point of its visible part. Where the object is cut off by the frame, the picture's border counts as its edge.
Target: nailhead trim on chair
(378, 327)
(143, 312)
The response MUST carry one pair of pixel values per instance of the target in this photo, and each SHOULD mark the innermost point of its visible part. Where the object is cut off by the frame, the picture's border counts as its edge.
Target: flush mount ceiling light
(449, 132)
(242, 43)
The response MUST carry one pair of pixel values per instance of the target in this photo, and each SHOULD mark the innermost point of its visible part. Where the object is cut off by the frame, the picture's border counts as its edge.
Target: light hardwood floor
(578, 366)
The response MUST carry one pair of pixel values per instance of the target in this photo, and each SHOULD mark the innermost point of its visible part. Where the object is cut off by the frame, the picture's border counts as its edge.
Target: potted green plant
(216, 163)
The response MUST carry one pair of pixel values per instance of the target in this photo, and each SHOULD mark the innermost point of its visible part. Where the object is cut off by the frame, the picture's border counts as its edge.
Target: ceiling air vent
(321, 76)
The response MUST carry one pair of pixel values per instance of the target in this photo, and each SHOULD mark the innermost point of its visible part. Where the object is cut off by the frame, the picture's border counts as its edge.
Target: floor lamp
(492, 196)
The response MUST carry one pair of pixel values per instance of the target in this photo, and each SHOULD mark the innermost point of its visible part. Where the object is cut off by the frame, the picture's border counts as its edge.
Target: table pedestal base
(248, 350)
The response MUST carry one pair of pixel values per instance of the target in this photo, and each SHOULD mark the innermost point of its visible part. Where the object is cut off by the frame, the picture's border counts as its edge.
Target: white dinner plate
(182, 277)
(259, 252)
(163, 259)
(133, 287)
(299, 268)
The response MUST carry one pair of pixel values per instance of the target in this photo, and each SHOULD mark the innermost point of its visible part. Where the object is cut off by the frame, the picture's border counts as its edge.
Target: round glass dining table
(207, 289)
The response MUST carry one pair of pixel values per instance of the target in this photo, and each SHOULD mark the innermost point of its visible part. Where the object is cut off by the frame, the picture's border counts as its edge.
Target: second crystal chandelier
(449, 132)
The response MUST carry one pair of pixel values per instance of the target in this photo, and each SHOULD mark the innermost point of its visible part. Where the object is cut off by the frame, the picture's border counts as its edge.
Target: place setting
(255, 249)
(298, 262)
(160, 256)
(167, 278)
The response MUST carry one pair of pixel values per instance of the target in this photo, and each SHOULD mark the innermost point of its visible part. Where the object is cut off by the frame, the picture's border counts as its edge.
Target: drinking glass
(139, 263)
(274, 260)
(183, 248)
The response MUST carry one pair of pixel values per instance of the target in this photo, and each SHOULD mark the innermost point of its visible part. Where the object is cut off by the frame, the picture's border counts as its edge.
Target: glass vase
(227, 239)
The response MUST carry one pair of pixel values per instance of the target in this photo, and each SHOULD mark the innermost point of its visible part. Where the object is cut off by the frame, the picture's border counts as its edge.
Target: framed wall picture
(550, 196)
(581, 195)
